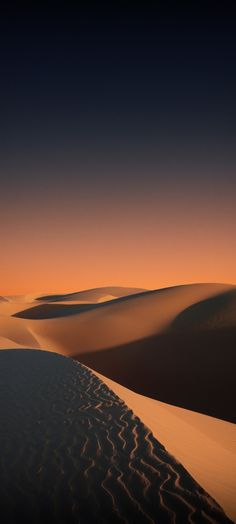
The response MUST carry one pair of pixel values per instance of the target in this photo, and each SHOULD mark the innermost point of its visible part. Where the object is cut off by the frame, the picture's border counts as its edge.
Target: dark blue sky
(119, 84)
(120, 106)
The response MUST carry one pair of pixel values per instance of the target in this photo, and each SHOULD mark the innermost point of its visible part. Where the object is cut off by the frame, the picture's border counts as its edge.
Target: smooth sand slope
(13, 331)
(16, 334)
(204, 445)
(71, 451)
(176, 344)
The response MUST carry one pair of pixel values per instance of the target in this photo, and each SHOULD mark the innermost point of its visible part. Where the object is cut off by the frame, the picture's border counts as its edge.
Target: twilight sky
(117, 148)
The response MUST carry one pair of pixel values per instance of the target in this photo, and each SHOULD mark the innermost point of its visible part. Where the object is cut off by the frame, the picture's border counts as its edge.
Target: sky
(117, 147)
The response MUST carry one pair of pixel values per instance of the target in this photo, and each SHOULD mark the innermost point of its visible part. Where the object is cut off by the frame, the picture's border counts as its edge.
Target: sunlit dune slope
(206, 446)
(82, 455)
(116, 322)
(15, 332)
(19, 334)
(22, 299)
(8, 343)
(176, 344)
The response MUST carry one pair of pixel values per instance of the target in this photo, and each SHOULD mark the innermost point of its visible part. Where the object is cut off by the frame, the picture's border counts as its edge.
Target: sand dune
(195, 371)
(204, 445)
(176, 345)
(45, 311)
(90, 296)
(8, 343)
(72, 451)
(178, 338)
(93, 295)
(116, 322)
(22, 299)
(120, 321)
(212, 313)
(17, 332)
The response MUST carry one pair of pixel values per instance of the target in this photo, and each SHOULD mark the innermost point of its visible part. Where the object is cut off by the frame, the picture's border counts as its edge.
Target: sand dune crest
(72, 451)
(206, 446)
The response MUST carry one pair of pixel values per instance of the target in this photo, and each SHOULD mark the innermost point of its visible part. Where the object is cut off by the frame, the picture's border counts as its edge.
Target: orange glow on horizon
(143, 243)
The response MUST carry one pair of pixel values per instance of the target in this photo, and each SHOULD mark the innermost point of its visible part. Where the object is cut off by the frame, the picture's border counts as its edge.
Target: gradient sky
(117, 148)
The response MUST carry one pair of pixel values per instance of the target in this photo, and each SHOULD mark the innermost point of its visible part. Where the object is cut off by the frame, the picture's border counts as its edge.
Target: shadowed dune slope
(205, 446)
(92, 295)
(175, 344)
(162, 304)
(71, 451)
(59, 308)
(118, 321)
(212, 313)
(192, 371)
(46, 311)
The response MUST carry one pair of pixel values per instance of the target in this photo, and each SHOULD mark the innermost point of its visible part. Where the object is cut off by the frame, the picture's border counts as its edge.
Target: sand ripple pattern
(72, 452)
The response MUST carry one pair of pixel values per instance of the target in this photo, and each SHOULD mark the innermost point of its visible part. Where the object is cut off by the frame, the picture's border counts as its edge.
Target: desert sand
(204, 445)
(95, 295)
(72, 451)
(176, 345)
(180, 331)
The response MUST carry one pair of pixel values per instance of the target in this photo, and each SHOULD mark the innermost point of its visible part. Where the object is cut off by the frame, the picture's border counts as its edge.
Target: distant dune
(208, 314)
(71, 451)
(175, 344)
(204, 445)
(93, 295)
(119, 321)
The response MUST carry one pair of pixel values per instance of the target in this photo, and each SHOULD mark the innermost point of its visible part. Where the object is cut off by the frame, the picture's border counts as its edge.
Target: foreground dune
(71, 451)
(204, 445)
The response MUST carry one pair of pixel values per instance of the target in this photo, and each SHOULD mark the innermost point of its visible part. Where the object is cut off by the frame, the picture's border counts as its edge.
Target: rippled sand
(72, 452)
